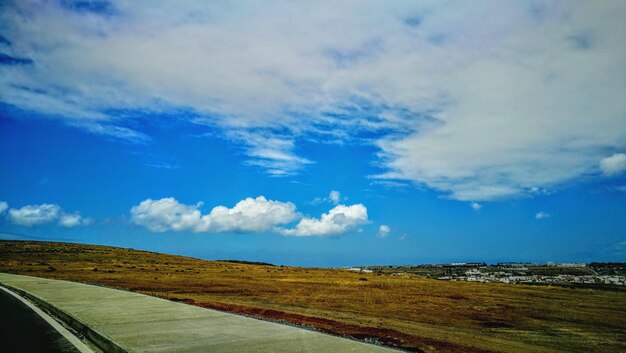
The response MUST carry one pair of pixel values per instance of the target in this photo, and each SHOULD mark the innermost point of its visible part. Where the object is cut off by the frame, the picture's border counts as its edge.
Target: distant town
(604, 275)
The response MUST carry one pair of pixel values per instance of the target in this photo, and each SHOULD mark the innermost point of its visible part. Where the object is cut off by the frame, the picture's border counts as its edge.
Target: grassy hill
(409, 312)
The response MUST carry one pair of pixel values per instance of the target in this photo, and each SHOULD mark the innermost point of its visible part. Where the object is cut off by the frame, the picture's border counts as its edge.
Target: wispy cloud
(272, 153)
(383, 231)
(118, 132)
(334, 197)
(477, 110)
(3, 206)
(542, 215)
(163, 165)
(620, 248)
(391, 184)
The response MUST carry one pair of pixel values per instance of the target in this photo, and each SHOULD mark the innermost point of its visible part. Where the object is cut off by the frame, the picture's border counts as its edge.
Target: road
(142, 324)
(23, 331)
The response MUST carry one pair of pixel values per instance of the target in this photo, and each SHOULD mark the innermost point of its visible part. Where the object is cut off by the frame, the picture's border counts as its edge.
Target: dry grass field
(408, 312)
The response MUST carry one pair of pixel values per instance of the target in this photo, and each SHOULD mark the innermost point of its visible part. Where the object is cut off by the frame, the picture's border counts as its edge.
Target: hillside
(409, 312)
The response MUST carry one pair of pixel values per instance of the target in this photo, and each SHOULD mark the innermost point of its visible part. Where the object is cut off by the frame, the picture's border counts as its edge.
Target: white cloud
(166, 214)
(316, 201)
(3, 207)
(248, 215)
(383, 230)
(476, 206)
(35, 214)
(32, 215)
(334, 196)
(542, 215)
(273, 154)
(71, 220)
(338, 220)
(480, 110)
(613, 165)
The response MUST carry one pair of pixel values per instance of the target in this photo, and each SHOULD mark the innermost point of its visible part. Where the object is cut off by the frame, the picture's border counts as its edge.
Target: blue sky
(374, 133)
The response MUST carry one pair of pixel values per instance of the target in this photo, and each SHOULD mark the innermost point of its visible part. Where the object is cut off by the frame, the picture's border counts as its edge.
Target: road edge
(98, 339)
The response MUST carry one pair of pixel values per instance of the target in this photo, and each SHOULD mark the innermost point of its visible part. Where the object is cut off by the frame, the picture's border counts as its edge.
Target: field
(409, 312)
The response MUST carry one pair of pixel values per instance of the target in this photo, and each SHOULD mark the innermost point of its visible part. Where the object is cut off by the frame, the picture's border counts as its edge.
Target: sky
(317, 133)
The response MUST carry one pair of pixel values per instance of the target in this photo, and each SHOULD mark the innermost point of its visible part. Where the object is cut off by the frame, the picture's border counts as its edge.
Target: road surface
(140, 323)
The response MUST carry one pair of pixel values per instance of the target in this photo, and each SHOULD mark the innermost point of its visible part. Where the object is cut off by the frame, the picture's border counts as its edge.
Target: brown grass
(408, 312)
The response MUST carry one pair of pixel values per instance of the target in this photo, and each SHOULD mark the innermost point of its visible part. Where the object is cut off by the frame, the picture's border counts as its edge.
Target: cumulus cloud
(542, 215)
(32, 215)
(3, 206)
(338, 220)
(35, 214)
(476, 206)
(383, 230)
(613, 165)
(479, 110)
(166, 214)
(71, 220)
(248, 215)
(251, 215)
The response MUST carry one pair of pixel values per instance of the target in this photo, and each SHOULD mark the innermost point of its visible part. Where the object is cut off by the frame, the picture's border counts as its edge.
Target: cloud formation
(338, 220)
(251, 215)
(3, 207)
(334, 196)
(35, 214)
(383, 231)
(32, 215)
(71, 220)
(248, 215)
(479, 110)
(613, 165)
(542, 215)
(476, 206)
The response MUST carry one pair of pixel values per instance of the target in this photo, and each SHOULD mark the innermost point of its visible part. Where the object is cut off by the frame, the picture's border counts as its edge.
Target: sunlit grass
(407, 311)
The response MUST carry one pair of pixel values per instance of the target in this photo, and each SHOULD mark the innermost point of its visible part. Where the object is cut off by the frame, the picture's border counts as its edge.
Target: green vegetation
(406, 311)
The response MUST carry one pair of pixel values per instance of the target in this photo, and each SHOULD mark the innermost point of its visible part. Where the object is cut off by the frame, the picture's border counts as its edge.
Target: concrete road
(140, 323)
(23, 331)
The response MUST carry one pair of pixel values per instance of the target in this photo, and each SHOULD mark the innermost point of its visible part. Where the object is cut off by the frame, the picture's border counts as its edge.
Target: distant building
(360, 270)
(572, 264)
(515, 265)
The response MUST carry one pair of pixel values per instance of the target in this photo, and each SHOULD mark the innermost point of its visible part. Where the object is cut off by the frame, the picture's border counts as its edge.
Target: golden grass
(409, 312)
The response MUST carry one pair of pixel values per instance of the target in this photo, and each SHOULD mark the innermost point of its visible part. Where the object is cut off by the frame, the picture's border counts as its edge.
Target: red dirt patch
(382, 336)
